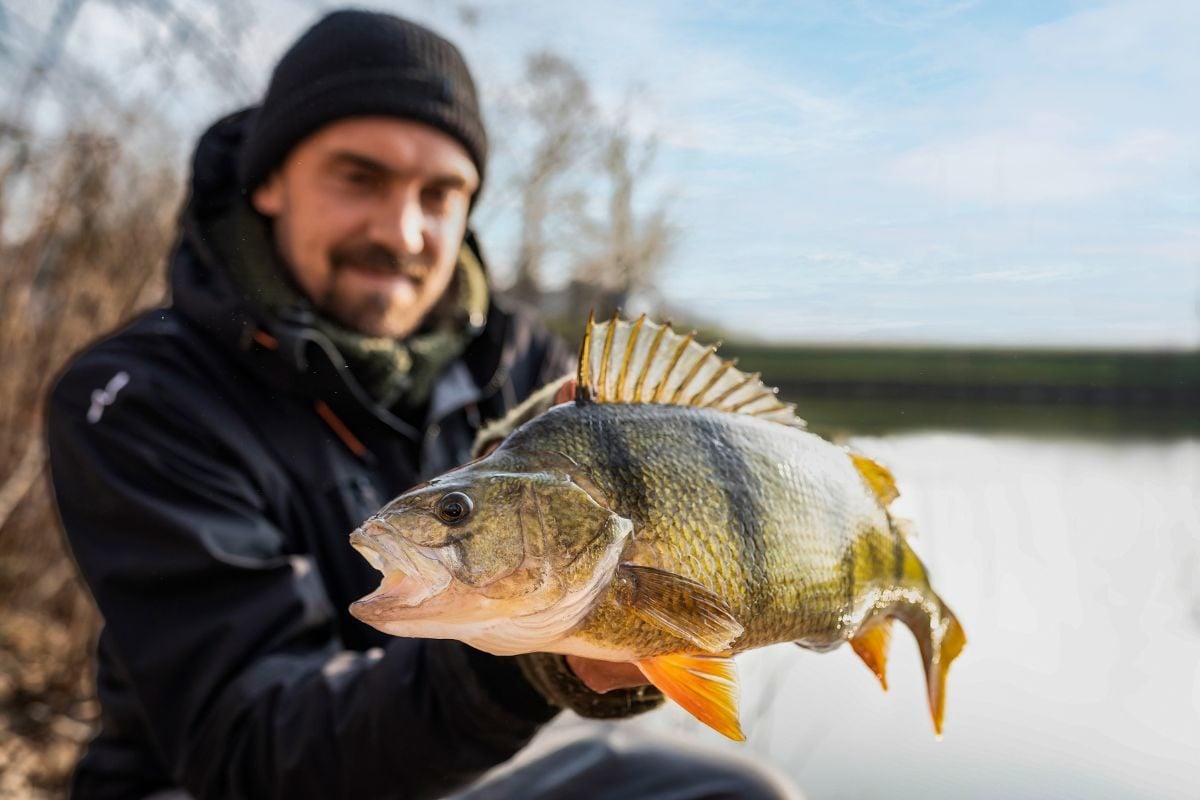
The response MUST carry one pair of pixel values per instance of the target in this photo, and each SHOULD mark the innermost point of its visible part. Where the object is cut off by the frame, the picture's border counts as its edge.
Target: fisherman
(332, 340)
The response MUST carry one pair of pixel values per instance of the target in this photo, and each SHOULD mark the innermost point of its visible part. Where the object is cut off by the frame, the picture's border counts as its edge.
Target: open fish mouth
(411, 574)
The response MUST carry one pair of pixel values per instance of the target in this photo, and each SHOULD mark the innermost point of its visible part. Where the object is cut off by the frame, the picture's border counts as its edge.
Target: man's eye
(436, 196)
(360, 179)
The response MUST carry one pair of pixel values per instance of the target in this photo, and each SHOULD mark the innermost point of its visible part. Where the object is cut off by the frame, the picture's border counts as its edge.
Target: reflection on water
(1075, 568)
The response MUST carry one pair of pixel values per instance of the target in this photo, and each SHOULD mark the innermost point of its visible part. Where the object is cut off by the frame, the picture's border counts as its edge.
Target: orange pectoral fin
(705, 686)
(872, 647)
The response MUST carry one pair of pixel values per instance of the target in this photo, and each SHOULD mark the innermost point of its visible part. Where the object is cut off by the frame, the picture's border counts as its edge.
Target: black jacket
(208, 466)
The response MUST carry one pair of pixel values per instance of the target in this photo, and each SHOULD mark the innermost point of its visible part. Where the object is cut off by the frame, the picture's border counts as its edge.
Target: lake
(1074, 566)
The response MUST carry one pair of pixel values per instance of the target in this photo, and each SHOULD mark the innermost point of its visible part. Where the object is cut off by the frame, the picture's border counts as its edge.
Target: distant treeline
(876, 389)
(844, 390)
(1153, 379)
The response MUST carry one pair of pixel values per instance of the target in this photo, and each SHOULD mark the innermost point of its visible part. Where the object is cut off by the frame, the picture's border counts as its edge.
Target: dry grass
(95, 227)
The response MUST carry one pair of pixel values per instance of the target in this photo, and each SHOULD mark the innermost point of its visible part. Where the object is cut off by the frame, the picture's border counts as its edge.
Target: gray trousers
(615, 761)
(612, 761)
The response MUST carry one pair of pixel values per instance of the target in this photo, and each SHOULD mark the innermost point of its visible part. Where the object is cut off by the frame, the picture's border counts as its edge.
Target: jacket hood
(201, 287)
(205, 292)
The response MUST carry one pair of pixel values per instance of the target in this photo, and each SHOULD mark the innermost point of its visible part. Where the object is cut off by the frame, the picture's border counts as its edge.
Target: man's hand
(604, 676)
(565, 393)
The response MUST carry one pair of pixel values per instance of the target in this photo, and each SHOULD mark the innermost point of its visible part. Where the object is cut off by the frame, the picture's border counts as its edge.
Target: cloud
(1129, 36)
(1024, 275)
(911, 15)
(1044, 161)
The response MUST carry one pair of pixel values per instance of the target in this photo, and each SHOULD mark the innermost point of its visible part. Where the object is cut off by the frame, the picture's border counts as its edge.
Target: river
(1074, 566)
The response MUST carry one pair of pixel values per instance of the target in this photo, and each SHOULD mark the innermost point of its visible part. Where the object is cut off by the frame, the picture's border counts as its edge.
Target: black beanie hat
(363, 63)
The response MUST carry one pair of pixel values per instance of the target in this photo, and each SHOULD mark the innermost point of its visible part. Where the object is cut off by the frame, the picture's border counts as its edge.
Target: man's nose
(400, 225)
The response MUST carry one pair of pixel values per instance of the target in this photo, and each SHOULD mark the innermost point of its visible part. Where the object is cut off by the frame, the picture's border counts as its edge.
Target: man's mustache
(378, 258)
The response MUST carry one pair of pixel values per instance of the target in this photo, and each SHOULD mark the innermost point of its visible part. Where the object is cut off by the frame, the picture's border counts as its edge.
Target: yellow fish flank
(675, 514)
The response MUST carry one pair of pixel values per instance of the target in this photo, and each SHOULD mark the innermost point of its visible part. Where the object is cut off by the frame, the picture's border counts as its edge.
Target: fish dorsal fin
(878, 477)
(647, 362)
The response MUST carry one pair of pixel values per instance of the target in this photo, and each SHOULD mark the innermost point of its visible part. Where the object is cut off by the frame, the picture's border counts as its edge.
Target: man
(332, 341)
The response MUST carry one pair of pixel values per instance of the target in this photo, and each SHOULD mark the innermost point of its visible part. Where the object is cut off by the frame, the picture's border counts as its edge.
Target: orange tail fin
(940, 638)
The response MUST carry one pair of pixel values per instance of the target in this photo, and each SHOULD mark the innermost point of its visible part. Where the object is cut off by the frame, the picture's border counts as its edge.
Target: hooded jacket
(208, 465)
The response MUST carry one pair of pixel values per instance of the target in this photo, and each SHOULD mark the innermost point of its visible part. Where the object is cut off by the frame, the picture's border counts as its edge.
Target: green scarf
(396, 373)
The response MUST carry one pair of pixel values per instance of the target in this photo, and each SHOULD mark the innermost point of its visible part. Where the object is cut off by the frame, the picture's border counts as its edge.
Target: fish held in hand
(673, 514)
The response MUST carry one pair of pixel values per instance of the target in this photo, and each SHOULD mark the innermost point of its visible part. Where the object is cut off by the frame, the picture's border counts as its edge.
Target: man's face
(369, 214)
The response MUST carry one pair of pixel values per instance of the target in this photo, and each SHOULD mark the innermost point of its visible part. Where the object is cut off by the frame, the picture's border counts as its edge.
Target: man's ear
(267, 199)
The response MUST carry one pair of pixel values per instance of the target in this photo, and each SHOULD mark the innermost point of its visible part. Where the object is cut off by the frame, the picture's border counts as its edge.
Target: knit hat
(363, 63)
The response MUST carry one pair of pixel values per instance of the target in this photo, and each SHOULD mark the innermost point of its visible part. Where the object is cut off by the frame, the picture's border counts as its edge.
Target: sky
(884, 171)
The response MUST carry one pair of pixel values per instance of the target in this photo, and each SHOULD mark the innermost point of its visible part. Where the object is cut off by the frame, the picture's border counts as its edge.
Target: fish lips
(413, 575)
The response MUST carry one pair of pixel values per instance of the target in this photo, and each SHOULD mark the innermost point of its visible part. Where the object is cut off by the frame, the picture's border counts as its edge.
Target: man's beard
(366, 313)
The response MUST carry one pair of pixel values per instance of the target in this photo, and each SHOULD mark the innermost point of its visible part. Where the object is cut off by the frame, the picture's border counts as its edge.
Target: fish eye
(454, 508)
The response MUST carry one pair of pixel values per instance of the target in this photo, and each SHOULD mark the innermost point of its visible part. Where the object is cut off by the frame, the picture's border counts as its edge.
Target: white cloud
(1124, 37)
(1046, 160)
(911, 15)
(1024, 275)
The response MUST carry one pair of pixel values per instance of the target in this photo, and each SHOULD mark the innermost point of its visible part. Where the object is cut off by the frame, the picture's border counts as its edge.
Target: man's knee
(687, 773)
(613, 766)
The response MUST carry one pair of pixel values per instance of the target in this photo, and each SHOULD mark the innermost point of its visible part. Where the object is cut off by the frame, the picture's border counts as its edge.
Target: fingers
(605, 676)
(565, 393)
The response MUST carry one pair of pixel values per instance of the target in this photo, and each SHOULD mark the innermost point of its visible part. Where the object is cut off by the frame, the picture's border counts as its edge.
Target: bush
(84, 229)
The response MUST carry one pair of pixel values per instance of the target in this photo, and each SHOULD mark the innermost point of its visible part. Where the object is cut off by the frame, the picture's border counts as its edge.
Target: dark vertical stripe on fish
(897, 551)
(736, 482)
(849, 568)
(874, 556)
(608, 437)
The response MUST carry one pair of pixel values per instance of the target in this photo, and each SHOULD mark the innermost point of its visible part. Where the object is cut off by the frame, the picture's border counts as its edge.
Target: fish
(672, 514)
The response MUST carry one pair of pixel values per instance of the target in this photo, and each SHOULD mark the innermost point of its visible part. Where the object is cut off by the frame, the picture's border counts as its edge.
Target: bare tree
(87, 214)
(169, 32)
(561, 109)
(625, 250)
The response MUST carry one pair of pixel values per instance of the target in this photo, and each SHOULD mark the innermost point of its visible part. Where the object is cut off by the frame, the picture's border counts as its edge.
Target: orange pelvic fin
(705, 686)
(872, 647)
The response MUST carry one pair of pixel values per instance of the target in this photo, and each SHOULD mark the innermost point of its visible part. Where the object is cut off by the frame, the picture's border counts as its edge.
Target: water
(1075, 569)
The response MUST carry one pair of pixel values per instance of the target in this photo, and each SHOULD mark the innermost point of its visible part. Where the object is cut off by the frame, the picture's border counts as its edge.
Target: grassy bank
(842, 390)
(875, 390)
(977, 367)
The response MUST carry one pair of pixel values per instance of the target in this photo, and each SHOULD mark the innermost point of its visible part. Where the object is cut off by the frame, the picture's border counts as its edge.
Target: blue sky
(879, 170)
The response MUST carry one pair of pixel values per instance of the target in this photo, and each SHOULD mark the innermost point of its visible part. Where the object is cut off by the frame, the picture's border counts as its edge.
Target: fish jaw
(412, 575)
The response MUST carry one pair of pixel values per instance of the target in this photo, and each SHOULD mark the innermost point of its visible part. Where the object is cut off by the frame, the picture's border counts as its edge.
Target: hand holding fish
(670, 515)
(605, 676)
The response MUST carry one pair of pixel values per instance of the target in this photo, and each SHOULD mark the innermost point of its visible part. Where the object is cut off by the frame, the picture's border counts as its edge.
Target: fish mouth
(412, 574)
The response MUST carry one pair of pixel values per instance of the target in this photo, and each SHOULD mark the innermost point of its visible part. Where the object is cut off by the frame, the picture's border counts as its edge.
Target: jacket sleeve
(229, 641)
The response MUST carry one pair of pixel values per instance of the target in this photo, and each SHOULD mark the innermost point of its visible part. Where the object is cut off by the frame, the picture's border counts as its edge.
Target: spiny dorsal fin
(878, 477)
(640, 361)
